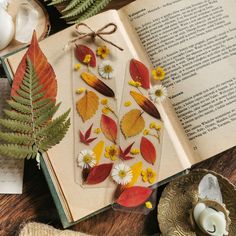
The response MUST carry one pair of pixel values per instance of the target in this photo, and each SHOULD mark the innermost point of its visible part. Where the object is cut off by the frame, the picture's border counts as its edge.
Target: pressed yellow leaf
(132, 123)
(87, 105)
(136, 171)
(98, 149)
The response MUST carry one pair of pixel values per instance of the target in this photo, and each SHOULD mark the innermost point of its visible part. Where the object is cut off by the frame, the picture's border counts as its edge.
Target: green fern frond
(17, 151)
(13, 115)
(29, 122)
(21, 100)
(54, 2)
(47, 115)
(16, 138)
(19, 107)
(52, 141)
(52, 126)
(71, 5)
(93, 10)
(15, 125)
(84, 5)
(78, 10)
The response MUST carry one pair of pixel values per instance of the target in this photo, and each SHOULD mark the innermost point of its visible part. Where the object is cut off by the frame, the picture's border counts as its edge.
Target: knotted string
(93, 34)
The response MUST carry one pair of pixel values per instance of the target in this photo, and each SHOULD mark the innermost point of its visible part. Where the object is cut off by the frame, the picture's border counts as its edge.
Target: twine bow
(93, 34)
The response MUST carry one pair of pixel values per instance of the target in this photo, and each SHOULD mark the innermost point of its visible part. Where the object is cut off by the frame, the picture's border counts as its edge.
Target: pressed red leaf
(88, 132)
(145, 104)
(124, 154)
(99, 173)
(109, 128)
(81, 51)
(81, 137)
(44, 71)
(90, 140)
(85, 138)
(148, 150)
(134, 196)
(140, 73)
(97, 84)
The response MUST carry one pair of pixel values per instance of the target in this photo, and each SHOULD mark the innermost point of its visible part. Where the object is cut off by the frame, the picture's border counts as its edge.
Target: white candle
(209, 220)
(6, 28)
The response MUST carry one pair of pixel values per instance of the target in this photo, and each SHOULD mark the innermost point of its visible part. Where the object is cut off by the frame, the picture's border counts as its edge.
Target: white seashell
(26, 22)
(6, 28)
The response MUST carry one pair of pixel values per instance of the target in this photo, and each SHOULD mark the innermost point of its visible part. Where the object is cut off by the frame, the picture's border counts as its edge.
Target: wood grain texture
(36, 204)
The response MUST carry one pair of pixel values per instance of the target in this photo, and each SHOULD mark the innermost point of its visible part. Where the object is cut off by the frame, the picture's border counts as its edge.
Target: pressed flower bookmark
(140, 143)
(95, 115)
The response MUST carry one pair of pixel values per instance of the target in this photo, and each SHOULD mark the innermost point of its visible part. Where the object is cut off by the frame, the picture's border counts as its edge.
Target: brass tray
(179, 197)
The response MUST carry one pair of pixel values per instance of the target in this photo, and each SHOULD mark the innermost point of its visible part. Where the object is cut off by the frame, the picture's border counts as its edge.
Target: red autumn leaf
(85, 138)
(145, 104)
(134, 196)
(88, 132)
(124, 154)
(81, 51)
(148, 151)
(109, 128)
(99, 173)
(44, 71)
(139, 73)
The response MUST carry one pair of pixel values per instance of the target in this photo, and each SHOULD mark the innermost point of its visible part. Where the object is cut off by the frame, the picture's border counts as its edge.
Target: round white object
(6, 28)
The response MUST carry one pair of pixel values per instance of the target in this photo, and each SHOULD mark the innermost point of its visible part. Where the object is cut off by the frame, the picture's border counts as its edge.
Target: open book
(195, 43)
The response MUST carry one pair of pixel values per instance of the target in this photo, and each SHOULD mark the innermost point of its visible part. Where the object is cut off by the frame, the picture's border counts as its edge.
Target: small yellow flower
(149, 175)
(146, 132)
(148, 205)
(131, 82)
(105, 110)
(97, 131)
(104, 101)
(158, 73)
(103, 51)
(152, 125)
(155, 126)
(87, 59)
(112, 152)
(135, 151)
(77, 66)
(80, 90)
(128, 103)
(135, 84)
(158, 127)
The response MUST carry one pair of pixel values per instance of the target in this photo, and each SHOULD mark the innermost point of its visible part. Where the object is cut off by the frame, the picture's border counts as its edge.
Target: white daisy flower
(158, 93)
(86, 159)
(122, 174)
(106, 70)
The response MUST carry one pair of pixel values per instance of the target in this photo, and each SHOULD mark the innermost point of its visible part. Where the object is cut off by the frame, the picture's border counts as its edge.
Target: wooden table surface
(36, 204)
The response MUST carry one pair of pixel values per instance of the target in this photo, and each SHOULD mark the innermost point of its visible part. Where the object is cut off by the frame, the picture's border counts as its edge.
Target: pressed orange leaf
(98, 149)
(81, 51)
(109, 128)
(87, 105)
(136, 171)
(140, 73)
(148, 150)
(132, 123)
(97, 84)
(146, 104)
(44, 71)
(134, 196)
(99, 173)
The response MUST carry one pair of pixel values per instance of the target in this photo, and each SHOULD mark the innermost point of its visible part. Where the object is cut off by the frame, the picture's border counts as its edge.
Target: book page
(195, 43)
(11, 170)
